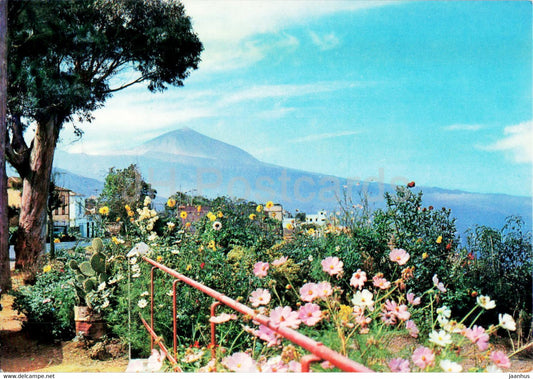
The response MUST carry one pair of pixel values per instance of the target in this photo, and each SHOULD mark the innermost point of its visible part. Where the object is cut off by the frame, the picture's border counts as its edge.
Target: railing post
(152, 306)
(214, 306)
(174, 323)
(307, 360)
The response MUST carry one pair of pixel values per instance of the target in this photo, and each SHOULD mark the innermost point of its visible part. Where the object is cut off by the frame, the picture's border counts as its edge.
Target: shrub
(48, 304)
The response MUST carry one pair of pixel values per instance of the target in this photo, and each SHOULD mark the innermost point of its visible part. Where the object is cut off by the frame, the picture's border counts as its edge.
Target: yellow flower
(132, 219)
(345, 312)
(290, 227)
(211, 216)
(118, 219)
(159, 258)
(424, 255)
(187, 225)
(269, 204)
(57, 240)
(311, 231)
(47, 268)
(439, 239)
(252, 216)
(212, 245)
(259, 208)
(171, 203)
(127, 208)
(131, 213)
(220, 214)
(115, 240)
(183, 215)
(188, 267)
(199, 208)
(104, 211)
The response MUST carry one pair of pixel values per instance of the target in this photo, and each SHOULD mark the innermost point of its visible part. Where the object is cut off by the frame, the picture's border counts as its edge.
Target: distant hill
(185, 160)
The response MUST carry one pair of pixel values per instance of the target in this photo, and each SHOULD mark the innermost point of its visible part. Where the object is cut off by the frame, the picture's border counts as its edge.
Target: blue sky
(436, 92)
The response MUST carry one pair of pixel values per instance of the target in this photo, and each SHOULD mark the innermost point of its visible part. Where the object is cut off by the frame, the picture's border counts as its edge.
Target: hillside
(185, 160)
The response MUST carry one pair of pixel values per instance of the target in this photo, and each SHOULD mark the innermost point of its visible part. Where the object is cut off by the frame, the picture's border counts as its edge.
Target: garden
(393, 289)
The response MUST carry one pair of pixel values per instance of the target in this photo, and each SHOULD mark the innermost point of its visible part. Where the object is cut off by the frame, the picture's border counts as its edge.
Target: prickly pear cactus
(91, 273)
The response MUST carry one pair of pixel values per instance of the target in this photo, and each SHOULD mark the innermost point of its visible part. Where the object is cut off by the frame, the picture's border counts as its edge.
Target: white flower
(485, 302)
(175, 252)
(101, 287)
(133, 260)
(507, 321)
(152, 236)
(171, 225)
(142, 303)
(363, 299)
(147, 201)
(310, 258)
(443, 321)
(106, 303)
(444, 311)
(449, 366)
(440, 338)
(145, 293)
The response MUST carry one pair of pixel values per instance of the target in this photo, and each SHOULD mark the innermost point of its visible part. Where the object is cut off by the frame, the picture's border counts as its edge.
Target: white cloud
(325, 42)
(227, 28)
(285, 91)
(463, 127)
(518, 141)
(323, 136)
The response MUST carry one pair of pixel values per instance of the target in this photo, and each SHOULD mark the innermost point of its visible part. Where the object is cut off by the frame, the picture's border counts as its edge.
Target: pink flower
(155, 361)
(358, 279)
(310, 314)
(274, 364)
(309, 292)
(260, 269)
(332, 265)
(438, 284)
(222, 318)
(388, 318)
(268, 335)
(295, 366)
(478, 336)
(259, 297)
(279, 261)
(284, 316)
(240, 362)
(399, 365)
(423, 357)
(326, 365)
(379, 281)
(402, 313)
(324, 289)
(399, 256)
(500, 359)
(412, 328)
(412, 300)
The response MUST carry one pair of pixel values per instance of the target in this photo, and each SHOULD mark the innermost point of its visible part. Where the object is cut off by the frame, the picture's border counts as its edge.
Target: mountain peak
(186, 142)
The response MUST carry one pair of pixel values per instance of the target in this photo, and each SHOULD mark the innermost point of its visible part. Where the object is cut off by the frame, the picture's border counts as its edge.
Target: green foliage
(63, 54)
(48, 304)
(501, 265)
(124, 187)
(90, 276)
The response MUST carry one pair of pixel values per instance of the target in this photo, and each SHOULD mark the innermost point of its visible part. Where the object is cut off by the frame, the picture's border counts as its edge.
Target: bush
(48, 304)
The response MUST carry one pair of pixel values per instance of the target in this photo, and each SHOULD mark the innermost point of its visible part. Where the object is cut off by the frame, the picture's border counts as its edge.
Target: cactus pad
(89, 285)
(98, 245)
(86, 269)
(98, 263)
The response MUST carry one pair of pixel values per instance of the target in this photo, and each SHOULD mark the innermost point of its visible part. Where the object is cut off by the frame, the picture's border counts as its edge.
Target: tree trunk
(30, 243)
(5, 272)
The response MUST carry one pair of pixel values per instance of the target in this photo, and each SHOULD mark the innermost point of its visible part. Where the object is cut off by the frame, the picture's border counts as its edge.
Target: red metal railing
(318, 350)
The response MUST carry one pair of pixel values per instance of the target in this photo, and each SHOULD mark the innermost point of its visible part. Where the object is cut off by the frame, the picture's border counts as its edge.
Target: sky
(437, 92)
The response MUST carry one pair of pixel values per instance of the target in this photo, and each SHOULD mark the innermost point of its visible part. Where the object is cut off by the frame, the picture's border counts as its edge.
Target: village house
(72, 215)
